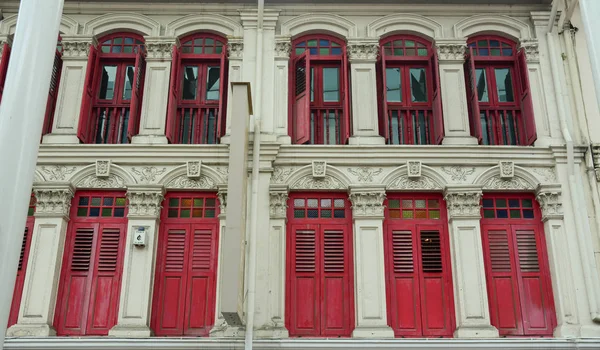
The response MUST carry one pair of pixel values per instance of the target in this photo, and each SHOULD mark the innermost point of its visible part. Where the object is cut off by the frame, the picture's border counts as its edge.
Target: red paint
(90, 283)
(319, 288)
(4, 66)
(518, 277)
(186, 266)
(418, 268)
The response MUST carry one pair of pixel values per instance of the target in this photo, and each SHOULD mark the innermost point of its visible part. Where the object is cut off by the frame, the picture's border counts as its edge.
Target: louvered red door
(320, 296)
(185, 285)
(518, 279)
(419, 281)
(20, 281)
(90, 282)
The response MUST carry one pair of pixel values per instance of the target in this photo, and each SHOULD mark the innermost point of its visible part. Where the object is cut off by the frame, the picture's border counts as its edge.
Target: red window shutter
(52, 94)
(438, 115)
(384, 128)
(135, 108)
(334, 313)
(199, 313)
(472, 97)
(85, 122)
(171, 127)
(530, 134)
(222, 117)
(20, 280)
(305, 284)
(4, 66)
(346, 122)
(301, 108)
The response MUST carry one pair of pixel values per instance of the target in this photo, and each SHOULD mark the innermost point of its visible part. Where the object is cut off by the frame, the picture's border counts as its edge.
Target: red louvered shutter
(135, 108)
(85, 115)
(335, 296)
(346, 122)
(4, 67)
(438, 116)
(20, 281)
(472, 96)
(301, 107)
(52, 94)
(305, 288)
(384, 128)
(171, 126)
(527, 115)
(222, 115)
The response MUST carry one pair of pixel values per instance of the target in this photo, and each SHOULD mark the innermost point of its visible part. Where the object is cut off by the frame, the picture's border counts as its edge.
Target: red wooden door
(185, 285)
(90, 284)
(320, 294)
(518, 278)
(419, 280)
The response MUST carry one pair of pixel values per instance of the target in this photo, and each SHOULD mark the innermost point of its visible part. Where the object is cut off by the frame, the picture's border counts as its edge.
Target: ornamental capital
(550, 200)
(463, 202)
(159, 49)
(451, 51)
(222, 195)
(235, 48)
(367, 202)
(77, 47)
(145, 202)
(278, 197)
(283, 48)
(53, 200)
(532, 50)
(363, 51)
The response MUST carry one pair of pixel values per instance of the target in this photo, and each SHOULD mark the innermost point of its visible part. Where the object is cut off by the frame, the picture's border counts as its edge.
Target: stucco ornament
(76, 48)
(547, 174)
(183, 182)
(319, 169)
(311, 183)
(414, 169)
(224, 171)
(406, 183)
(148, 173)
(283, 49)
(516, 183)
(222, 195)
(92, 181)
(507, 170)
(144, 203)
(102, 168)
(363, 51)
(159, 50)
(451, 51)
(278, 205)
(365, 174)
(464, 204)
(532, 50)
(458, 173)
(235, 49)
(53, 202)
(58, 172)
(551, 205)
(367, 204)
(194, 169)
(280, 174)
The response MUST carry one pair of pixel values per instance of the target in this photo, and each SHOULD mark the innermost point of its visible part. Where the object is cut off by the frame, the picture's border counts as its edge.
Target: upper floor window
(319, 104)
(197, 97)
(410, 103)
(113, 88)
(499, 97)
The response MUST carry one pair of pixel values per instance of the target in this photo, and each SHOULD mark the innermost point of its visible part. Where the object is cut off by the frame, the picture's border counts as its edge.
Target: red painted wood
(52, 94)
(319, 288)
(472, 97)
(222, 116)
(417, 255)
(90, 283)
(346, 122)
(171, 126)
(20, 280)
(85, 123)
(438, 115)
(517, 272)
(384, 128)
(135, 109)
(530, 132)
(185, 284)
(4, 66)
(301, 92)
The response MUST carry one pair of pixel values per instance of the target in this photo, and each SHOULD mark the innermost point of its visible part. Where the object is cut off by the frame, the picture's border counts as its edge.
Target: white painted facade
(366, 168)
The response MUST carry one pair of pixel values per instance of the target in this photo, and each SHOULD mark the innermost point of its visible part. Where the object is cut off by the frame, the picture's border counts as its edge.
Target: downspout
(255, 182)
(574, 189)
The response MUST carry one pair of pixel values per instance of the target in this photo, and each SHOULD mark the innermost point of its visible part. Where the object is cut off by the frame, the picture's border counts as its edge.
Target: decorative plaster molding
(311, 183)
(235, 49)
(367, 203)
(76, 47)
(159, 50)
(547, 174)
(319, 169)
(194, 169)
(363, 52)
(183, 182)
(403, 182)
(550, 199)
(148, 174)
(109, 22)
(319, 21)
(507, 170)
(222, 194)
(453, 51)
(458, 173)
(102, 168)
(465, 204)
(469, 26)
(281, 174)
(224, 171)
(516, 183)
(414, 169)
(196, 22)
(53, 202)
(278, 204)
(283, 48)
(532, 51)
(58, 172)
(144, 203)
(405, 22)
(92, 181)
(596, 159)
(365, 174)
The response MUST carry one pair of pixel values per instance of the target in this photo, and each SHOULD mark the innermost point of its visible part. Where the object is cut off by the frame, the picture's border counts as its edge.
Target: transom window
(414, 208)
(508, 208)
(319, 97)
(101, 206)
(196, 101)
(410, 102)
(501, 108)
(192, 207)
(316, 208)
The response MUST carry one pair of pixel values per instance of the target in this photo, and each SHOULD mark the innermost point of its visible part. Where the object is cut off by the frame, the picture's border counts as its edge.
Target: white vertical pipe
(590, 13)
(21, 117)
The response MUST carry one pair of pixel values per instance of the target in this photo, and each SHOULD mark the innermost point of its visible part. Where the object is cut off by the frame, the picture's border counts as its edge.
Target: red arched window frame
(319, 108)
(410, 104)
(498, 92)
(198, 90)
(112, 95)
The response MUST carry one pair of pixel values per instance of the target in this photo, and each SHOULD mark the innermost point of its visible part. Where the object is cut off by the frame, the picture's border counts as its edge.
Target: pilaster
(362, 55)
(368, 214)
(138, 269)
(235, 55)
(36, 314)
(451, 57)
(283, 49)
(468, 270)
(70, 90)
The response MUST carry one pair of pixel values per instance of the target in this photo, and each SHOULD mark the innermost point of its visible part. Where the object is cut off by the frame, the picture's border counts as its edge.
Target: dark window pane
(81, 211)
(326, 213)
(107, 82)
(502, 213)
(331, 84)
(418, 85)
(481, 80)
(494, 43)
(94, 211)
(433, 203)
(339, 213)
(185, 213)
(106, 212)
(513, 203)
(173, 213)
(504, 85)
(116, 49)
(209, 213)
(500, 203)
(313, 213)
(128, 41)
(298, 213)
(336, 51)
(393, 84)
(128, 84)
(495, 52)
(323, 42)
(190, 82)
(488, 203)
(128, 49)
(515, 214)
(528, 213)
(174, 202)
(394, 204)
(211, 202)
(527, 203)
(213, 78)
(84, 200)
(119, 212)
(108, 201)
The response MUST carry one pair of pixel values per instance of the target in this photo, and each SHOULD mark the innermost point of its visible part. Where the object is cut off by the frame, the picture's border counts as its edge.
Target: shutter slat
(499, 252)
(334, 251)
(23, 247)
(402, 246)
(305, 251)
(109, 250)
(201, 255)
(175, 251)
(527, 248)
(431, 252)
(82, 249)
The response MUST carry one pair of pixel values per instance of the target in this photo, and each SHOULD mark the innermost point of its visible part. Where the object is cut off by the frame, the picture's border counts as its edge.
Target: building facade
(426, 171)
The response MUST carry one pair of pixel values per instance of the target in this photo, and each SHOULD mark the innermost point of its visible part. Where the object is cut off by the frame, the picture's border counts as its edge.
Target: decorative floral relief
(551, 204)
(547, 174)
(235, 49)
(311, 183)
(222, 194)
(278, 205)
(102, 168)
(283, 49)
(75, 48)
(414, 169)
(451, 52)
(159, 50)
(148, 173)
(532, 51)
(507, 170)
(365, 174)
(458, 173)
(112, 181)
(367, 204)
(58, 172)
(224, 171)
(319, 168)
(144, 204)
(516, 183)
(406, 183)
(363, 51)
(280, 175)
(53, 201)
(184, 182)
(464, 204)
(194, 169)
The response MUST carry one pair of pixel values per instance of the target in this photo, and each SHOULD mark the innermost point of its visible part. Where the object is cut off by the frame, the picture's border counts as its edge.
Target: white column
(451, 56)
(363, 81)
(139, 262)
(369, 266)
(283, 48)
(590, 12)
(70, 89)
(21, 118)
(235, 54)
(36, 314)
(156, 91)
(549, 197)
(468, 270)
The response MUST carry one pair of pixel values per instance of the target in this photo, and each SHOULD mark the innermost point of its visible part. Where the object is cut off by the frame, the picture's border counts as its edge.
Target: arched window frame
(407, 121)
(202, 120)
(114, 120)
(495, 122)
(307, 125)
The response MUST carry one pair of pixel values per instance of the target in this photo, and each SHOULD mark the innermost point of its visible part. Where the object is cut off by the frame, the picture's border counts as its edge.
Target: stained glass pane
(502, 213)
(96, 201)
(120, 201)
(488, 214)
(527, 203)
(312, 43)
(338, 203)
(197, 213)
(513, 203)
(395, 214)
(434, 203)
(81, 211)
(500, 203)
(298, 213)
(407, 214)
(326, 213)
(119, 212)
(299, 202)
(528, 213)
(198, 202)
(211, 202)
(515, 214)
(313, 203)
(174, 202)
(434, 214)
(326, 203)
(394, 204)
(106, 212)
(420, 203)
(421, 214)
(407, 203)
(94, 211)
(209, 213)
(339, 213)
(185, 213)
(84, 200)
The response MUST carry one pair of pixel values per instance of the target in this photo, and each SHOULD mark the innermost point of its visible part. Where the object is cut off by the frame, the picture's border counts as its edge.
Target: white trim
(68, 26)
(403, 22)
(207, 171)
(90, 170)
(319, 23)
(520, 173)
(202, 22)
(499, 24)
(112, 22)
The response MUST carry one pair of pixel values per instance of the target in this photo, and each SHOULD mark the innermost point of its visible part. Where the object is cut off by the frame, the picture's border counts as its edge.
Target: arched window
(112, 95)
(197, 97)
(410, 101)
(319, 100)
(500, 103)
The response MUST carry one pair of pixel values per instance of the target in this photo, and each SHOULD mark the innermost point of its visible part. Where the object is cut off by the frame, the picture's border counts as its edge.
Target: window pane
(482, 91)
(312, 84)
(107, 84)
(331, 84)
(190, 82)
(128, 86)
(213, 78)
(504, 85)
(393, 84)
(418, 85)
